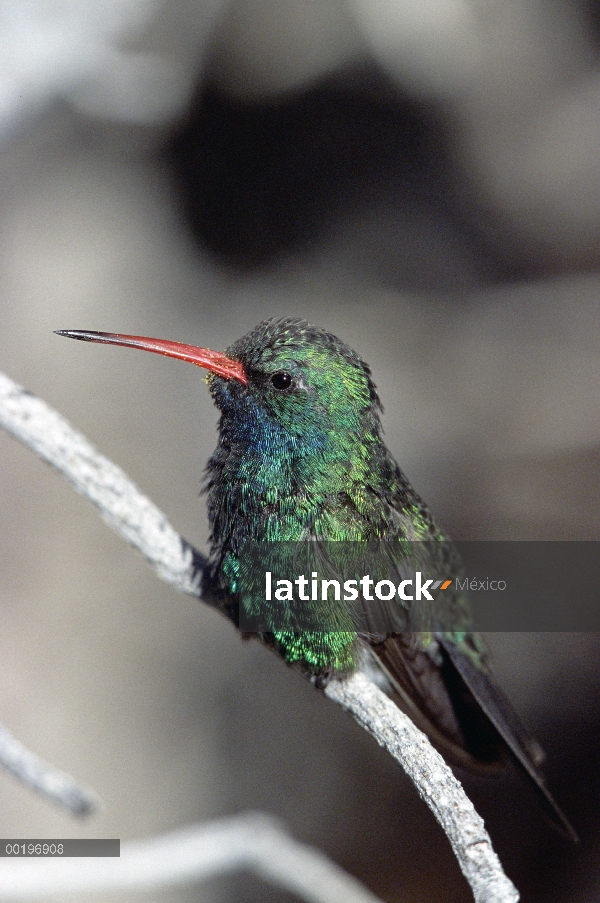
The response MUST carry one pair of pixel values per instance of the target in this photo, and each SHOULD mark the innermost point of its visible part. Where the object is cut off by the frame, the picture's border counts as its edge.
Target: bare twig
(135, 518)
(252, 841)
(43, 777)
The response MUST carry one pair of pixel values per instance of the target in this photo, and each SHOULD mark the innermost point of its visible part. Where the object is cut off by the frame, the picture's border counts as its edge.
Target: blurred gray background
(422, 179)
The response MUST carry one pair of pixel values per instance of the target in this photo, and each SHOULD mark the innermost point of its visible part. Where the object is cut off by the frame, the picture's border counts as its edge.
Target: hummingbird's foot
(321, 680)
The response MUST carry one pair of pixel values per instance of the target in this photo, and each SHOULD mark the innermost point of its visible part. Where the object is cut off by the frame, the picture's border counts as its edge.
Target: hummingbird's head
(299, 378)
(285, 378)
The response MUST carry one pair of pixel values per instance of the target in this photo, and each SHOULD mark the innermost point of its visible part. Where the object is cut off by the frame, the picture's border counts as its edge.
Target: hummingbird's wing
(423, 677)
(433, 693)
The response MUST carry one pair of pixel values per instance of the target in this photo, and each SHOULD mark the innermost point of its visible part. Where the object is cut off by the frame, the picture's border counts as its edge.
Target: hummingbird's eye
(281, 380)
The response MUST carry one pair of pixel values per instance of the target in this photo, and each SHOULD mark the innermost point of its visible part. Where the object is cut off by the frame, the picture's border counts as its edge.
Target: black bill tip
(81, 334)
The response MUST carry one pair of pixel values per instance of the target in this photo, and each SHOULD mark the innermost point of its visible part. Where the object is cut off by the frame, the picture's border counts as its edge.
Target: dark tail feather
(524, 748)
(438, 700)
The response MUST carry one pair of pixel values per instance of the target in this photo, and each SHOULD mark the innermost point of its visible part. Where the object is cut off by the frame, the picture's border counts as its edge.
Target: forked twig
(251, 841)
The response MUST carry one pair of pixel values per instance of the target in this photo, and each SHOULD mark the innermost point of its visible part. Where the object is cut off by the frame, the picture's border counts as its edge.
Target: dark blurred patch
(544, 866)
(257, 179)
(591, 12)
(578, 776)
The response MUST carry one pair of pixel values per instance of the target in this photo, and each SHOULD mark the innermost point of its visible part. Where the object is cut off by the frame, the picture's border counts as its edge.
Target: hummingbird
(301, 458)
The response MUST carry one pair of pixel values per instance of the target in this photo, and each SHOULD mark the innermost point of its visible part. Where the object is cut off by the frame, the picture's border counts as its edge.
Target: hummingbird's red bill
(215, 361)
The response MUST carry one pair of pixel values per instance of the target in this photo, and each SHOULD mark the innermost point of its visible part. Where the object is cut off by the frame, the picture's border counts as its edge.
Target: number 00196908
(34, 849)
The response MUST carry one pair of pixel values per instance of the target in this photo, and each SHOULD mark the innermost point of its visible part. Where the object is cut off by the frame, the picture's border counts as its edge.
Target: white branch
(249, 842)
(135, 518)
(43, 777)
